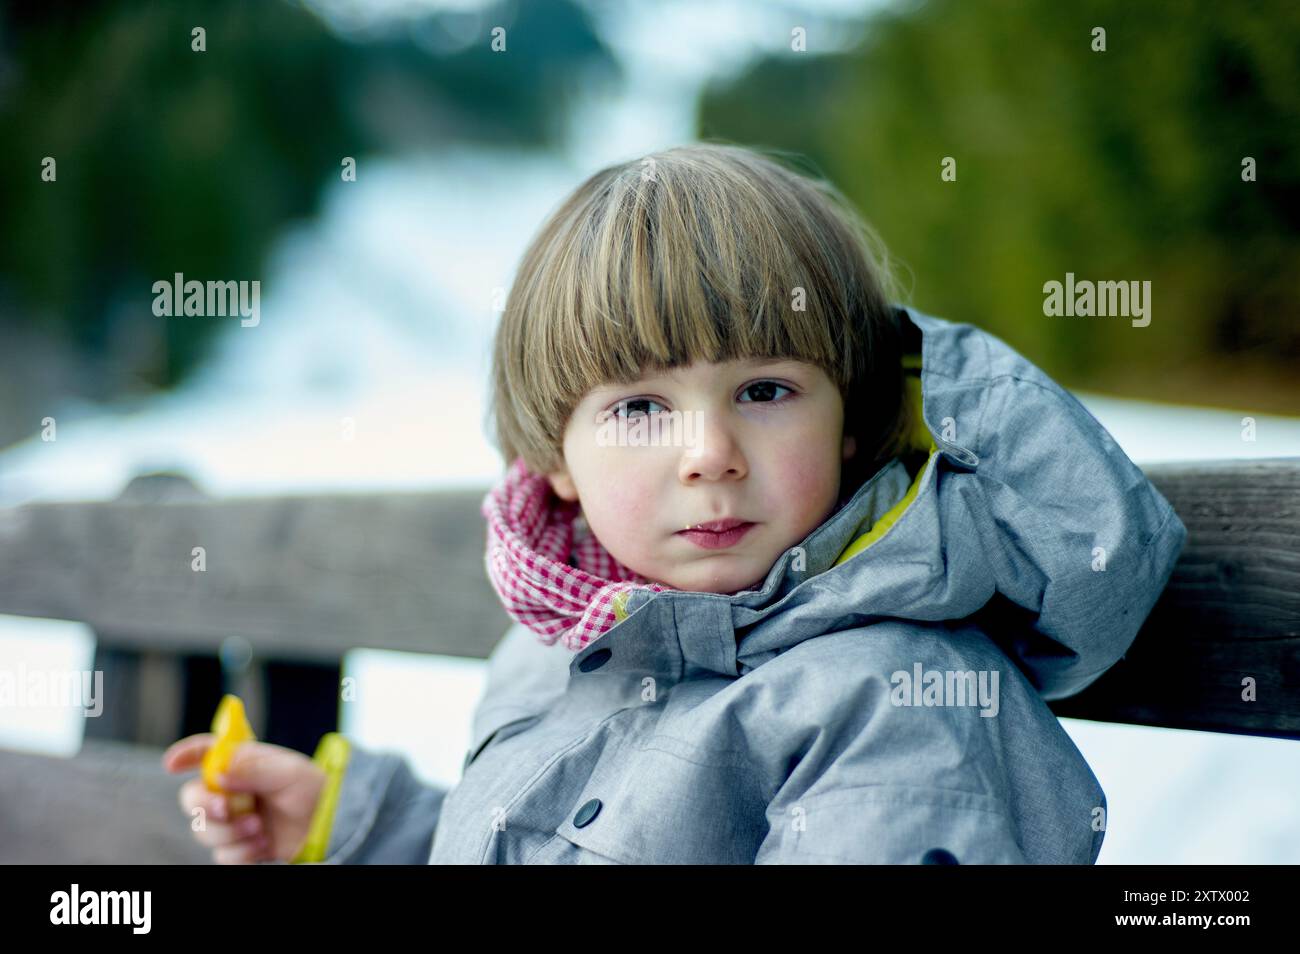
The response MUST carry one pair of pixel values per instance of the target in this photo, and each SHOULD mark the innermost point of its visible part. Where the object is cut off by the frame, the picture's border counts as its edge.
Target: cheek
(629, 503)
(621, 498)
(805, 481)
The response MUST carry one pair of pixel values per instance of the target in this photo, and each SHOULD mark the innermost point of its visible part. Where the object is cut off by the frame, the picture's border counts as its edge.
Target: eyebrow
(672, 375)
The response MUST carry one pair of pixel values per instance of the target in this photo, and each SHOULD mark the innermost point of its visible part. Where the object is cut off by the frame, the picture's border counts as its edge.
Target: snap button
(938, 856)
(586, 813)
(595, 660)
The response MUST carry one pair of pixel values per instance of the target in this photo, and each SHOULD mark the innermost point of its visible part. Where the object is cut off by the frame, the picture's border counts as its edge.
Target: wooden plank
(110, 804)
(1230, 613)
(310, 577)
(301, 578)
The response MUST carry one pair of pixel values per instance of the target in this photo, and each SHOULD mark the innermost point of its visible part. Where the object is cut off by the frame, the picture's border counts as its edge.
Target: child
(922, 538)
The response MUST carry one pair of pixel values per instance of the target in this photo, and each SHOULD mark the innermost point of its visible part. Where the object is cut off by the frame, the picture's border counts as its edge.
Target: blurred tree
(1117, 165)
(171, 160)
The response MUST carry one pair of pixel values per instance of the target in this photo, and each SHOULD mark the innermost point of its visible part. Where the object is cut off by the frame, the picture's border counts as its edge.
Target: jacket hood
(1020, 513)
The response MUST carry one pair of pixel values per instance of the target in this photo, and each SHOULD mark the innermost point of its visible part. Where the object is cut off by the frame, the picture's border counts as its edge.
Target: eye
(634, 407)
(763, 392)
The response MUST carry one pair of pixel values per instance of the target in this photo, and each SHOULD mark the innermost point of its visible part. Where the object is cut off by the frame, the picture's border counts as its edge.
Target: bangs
(669, 273)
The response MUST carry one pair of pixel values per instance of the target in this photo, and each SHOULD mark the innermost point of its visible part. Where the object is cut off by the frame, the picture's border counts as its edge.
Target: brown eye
(635, 407)
(763, 392)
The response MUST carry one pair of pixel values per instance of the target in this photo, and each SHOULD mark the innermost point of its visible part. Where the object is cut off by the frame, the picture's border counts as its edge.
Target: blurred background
(379, 293)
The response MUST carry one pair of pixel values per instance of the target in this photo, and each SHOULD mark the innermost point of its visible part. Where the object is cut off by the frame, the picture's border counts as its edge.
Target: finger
(194, 794)
(216, 835)
(187, 753)
(257, 768)
(244, 853)
(221, 834)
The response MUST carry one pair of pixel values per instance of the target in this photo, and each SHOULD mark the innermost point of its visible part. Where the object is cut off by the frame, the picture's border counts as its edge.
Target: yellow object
(620, 605)
(230, 726)
(887, 519)
(332, 755)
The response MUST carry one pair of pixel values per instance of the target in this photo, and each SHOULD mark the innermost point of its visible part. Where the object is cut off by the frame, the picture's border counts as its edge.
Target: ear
(850, 446)
(563, 485)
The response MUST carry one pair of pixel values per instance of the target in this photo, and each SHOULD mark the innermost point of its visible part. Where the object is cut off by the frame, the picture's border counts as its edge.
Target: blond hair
(698, 252)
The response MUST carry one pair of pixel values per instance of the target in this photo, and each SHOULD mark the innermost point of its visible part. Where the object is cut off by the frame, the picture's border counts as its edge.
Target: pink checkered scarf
(531, 539)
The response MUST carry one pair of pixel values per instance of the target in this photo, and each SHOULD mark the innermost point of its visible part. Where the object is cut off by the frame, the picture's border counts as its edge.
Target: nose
(712, 450)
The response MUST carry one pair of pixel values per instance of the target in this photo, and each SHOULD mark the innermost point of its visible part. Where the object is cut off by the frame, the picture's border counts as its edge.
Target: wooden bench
(289, 584)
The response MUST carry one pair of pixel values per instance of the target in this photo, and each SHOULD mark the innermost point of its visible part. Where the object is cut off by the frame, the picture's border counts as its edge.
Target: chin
(723, 586)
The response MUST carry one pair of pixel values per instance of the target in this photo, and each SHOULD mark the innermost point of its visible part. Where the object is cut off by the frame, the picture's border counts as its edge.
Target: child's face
(759, 440)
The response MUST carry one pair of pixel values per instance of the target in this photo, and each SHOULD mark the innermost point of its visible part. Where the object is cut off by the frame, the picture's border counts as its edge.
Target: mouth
(717, 534)
(717, 526)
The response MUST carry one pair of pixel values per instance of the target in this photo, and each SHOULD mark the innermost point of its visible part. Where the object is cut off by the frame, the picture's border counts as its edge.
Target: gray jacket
(887, 707)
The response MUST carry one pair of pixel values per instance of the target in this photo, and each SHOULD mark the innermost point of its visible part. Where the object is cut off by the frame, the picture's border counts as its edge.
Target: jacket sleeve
(1079, 542)
(892, 824)
(876, 779)
(384, 814)
(884, 784)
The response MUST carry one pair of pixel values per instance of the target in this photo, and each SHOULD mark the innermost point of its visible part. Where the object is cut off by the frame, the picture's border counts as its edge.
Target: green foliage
(1117, 165)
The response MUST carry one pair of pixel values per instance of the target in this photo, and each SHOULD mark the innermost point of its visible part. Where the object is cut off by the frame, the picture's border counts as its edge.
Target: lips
(717, 534)
(718, 526)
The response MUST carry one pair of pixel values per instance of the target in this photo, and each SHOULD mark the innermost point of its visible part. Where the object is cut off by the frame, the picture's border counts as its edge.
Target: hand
(285, 786)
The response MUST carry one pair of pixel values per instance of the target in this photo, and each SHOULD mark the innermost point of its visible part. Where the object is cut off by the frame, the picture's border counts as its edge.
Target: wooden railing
(189, 597)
